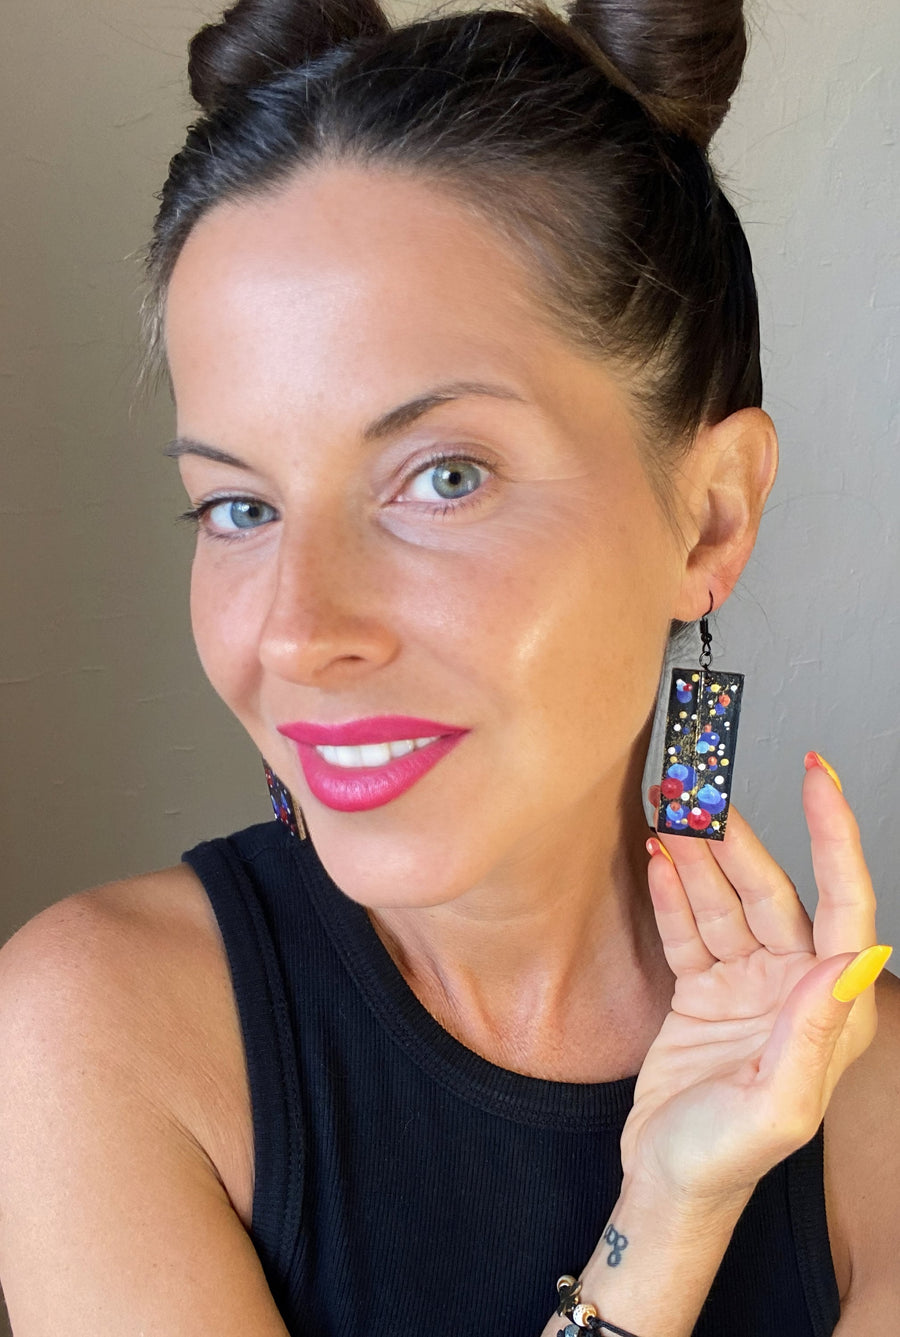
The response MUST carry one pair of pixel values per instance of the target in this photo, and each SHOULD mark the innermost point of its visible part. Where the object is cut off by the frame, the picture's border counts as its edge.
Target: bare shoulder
(138, 966)
(862, 1173)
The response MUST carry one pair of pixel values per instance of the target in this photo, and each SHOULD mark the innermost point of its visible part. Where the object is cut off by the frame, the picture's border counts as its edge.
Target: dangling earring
(286, 810)
(701, 736)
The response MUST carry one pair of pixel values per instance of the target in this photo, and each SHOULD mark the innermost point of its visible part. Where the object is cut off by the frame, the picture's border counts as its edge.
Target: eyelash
(197, 514)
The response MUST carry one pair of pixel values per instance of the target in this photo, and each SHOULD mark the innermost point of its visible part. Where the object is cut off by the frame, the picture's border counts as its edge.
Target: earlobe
(730, 472)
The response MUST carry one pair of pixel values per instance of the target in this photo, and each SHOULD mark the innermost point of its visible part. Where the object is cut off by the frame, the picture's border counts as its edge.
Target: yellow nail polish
(860, 973)
(826, 766)
(662, 849)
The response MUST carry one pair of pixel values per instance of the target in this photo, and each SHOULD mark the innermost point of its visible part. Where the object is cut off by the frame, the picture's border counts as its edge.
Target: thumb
(795, 1060)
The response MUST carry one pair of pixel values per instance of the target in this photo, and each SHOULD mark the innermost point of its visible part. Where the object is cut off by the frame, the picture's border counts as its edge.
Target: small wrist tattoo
(616, 1244)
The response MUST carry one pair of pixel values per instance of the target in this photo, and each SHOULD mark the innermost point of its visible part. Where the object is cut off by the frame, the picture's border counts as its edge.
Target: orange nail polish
(657, 847)
(816, 759)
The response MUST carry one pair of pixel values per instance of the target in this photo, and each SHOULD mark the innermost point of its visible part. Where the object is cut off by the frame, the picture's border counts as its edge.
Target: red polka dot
(698, 821)
(671, 788)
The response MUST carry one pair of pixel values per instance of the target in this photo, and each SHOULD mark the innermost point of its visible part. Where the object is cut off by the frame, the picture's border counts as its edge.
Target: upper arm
(113, 1219)
(863, 1169)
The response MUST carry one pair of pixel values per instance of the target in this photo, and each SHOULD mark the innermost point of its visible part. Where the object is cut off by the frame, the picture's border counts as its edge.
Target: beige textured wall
(106, 723)
(116, 753)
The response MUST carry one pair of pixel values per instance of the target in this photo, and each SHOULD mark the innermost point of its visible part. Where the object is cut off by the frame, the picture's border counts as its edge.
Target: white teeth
(374, 754)
(403, 745)
(371, 754)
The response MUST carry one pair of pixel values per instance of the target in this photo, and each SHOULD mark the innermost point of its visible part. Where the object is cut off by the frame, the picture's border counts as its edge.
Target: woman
(463, 339)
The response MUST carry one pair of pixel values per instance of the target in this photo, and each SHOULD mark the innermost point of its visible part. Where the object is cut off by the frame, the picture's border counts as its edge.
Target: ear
(724, 483)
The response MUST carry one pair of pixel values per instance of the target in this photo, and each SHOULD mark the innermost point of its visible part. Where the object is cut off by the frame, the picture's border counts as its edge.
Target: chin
(388, 872)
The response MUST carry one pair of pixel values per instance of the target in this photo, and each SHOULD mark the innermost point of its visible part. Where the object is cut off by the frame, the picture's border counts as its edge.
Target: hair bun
(258, 38)
(682, 59)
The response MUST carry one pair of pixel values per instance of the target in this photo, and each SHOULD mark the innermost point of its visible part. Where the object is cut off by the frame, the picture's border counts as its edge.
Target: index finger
(773, 910)
(845, 915)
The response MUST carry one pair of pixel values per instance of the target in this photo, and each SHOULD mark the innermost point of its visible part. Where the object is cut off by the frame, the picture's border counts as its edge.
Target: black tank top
(405, 1184)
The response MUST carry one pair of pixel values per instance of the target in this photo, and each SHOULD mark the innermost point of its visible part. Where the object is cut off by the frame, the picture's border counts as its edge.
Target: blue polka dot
(710, 799)
(686, 775)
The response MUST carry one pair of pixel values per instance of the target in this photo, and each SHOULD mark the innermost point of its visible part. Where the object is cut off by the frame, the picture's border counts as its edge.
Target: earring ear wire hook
(706, 638)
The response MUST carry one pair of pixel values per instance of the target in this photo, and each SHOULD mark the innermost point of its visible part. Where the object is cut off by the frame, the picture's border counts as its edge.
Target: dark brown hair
(582, 140)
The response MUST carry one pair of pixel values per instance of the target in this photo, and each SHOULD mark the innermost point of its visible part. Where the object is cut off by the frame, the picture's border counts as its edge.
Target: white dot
(697, 812)
(677, 728)
(672, 752)
(685, 797)
(727, 725)
(693, 717)
(701, 766)
(720, 779)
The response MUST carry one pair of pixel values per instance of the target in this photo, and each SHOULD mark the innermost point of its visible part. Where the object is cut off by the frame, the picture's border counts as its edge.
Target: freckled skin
(537, 617)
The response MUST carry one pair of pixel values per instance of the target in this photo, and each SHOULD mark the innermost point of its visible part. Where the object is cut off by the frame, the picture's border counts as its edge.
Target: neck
(559, 946)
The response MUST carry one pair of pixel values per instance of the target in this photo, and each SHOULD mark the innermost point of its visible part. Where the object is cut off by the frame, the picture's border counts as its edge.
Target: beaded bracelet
(583, 1316)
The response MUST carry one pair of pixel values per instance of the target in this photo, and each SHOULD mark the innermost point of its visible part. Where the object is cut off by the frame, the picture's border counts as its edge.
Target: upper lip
(373, 729)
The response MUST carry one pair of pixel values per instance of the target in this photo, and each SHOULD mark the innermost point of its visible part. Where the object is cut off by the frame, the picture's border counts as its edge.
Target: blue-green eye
(452, 478)
(458, 479)
(243, 513)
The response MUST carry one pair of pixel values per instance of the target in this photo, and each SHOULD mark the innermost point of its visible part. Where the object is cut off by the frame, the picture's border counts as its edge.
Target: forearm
(655, 1284)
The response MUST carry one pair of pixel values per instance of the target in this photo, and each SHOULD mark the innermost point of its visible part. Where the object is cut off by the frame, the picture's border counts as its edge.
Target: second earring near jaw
(286, 810)
(702, 715)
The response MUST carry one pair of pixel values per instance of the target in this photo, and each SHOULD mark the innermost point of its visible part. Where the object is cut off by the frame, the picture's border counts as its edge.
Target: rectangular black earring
(286, 810)
(702, 717)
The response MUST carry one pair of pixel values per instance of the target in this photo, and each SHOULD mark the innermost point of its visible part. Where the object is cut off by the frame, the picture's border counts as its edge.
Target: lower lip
(357, 788)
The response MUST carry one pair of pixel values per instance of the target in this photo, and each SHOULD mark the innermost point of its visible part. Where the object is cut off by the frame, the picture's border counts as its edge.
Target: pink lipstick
(357, 788)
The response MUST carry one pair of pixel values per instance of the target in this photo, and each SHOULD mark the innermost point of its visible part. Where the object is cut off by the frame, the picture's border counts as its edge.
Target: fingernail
(861, 972)
(816, 759)
(657, 847)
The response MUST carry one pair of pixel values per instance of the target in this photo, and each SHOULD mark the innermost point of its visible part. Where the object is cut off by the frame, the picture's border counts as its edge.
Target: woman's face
(525, 597)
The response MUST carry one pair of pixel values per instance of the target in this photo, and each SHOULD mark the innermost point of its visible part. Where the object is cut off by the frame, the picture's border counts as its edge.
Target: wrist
(656, 1260)
(667, 1205)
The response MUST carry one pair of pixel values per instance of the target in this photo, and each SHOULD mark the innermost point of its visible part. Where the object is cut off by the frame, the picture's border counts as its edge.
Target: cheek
(565, 613)
(580, 629)
(225, 620)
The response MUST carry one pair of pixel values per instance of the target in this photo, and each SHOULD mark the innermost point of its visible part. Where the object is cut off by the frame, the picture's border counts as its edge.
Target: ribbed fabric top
(402, 1182)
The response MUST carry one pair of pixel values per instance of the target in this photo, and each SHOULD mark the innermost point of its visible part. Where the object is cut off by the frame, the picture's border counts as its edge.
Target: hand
(746, 1061)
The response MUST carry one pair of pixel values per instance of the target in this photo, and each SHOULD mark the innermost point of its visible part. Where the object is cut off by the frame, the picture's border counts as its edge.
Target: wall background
(116, 754)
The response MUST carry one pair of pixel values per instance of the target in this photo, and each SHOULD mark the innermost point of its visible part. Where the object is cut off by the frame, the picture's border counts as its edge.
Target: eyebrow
(393, 421)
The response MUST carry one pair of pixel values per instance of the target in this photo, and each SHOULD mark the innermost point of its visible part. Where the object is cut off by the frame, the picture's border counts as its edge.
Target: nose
(328, 616)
